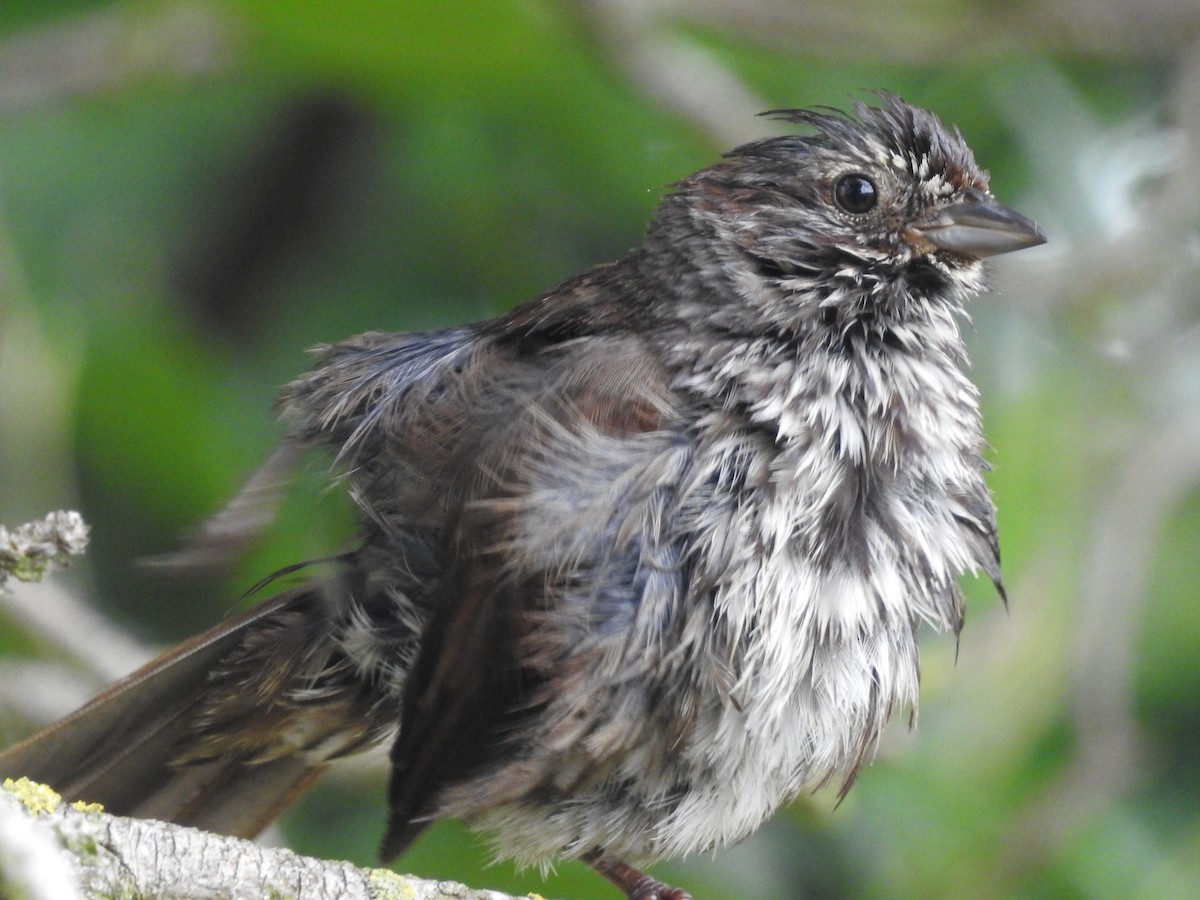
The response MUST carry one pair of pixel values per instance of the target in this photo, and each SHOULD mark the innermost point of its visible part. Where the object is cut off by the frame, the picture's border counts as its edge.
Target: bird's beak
(979, 226)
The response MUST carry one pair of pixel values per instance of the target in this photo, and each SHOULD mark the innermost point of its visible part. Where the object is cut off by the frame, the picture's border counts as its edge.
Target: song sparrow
(641, 559)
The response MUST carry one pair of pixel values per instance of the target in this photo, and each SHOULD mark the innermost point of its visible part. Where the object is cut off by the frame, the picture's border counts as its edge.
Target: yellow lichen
(384, 884)
(35, 797)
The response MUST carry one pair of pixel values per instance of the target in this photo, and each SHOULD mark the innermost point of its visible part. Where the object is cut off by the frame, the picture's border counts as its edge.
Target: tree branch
(84, 852)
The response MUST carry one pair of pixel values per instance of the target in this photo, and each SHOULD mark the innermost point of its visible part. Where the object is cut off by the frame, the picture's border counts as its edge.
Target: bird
(638, 561)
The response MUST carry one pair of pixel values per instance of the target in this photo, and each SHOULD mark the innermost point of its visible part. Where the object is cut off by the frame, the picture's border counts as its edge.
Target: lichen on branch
(28, 551)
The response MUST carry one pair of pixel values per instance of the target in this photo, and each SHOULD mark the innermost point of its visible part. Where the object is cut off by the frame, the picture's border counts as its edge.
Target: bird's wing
(566, 449)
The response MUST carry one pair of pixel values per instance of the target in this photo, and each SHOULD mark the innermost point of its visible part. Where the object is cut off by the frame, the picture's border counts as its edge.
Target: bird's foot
(636, 884)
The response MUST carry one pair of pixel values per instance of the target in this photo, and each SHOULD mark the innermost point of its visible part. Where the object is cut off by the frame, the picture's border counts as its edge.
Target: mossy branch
(86, 853)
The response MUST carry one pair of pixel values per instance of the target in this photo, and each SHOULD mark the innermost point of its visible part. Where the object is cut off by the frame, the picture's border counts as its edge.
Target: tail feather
(126, 748)
(229, 796)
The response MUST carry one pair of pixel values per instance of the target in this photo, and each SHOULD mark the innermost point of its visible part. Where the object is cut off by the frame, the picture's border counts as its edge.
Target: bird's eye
(855, 194)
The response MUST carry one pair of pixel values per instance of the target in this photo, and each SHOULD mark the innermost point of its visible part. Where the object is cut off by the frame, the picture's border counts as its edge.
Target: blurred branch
(676, 73)
(643, 41)
(929, 33)
(1133, 274)
(56, 615)
(31, 856)
(1153, 478)
(74, 627)
(37, 692)
(110, 856)
(100, 52)
(1108, 759)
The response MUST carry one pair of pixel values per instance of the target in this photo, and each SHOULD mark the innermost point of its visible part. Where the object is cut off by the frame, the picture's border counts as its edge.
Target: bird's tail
(222, 732)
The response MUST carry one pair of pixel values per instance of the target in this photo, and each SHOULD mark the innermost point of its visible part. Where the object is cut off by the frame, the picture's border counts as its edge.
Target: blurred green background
(193, 193)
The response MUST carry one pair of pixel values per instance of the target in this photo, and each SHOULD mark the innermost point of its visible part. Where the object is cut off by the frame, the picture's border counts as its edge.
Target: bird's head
(871, 210)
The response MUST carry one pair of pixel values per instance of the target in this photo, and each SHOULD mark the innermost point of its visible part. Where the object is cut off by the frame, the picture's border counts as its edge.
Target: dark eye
(855, 193)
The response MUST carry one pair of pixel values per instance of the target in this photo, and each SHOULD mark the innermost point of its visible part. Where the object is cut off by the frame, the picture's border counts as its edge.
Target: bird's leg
(636, 884)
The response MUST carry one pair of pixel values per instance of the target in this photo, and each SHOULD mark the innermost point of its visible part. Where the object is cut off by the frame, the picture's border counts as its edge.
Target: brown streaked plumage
(640, 560)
